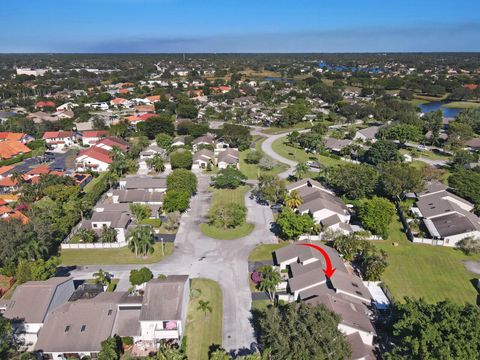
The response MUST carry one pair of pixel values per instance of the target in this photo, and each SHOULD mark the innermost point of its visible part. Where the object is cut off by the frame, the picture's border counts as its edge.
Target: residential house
(326, 208)
(94, 158)
(12, 136)
(179, 140)
(59, 139)
(343, 293)
(202, 158)
(203, 140)
(12, 148)
(447, 217)
(337, 145)
(118, 220)
(149, 183)
(40, 116)
(228, 157)
(151, 151)
(6, 213)
(90, 138)
(33, 301)
(367, 134)
(108, 143)
(136, 196)
(77, 328)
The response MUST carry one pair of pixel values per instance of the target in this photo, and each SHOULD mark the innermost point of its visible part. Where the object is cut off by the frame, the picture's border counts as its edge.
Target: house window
(83, 328)
(109, 312)
(67, 328)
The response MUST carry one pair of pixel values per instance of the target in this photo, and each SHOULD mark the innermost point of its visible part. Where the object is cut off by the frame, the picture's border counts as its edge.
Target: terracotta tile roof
(57, 134)
(5, 169)
(114, 141)
(153, 98)
(95, 133)
(117, 101)
(42, 104)
(7, 212)
(39, 170)
(7, 182)
(97, 153)
(11, 136)
(9, 149)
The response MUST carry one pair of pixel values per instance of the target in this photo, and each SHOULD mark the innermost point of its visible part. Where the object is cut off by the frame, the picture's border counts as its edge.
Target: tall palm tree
(293, 200)
(205, 307)
(301, 170)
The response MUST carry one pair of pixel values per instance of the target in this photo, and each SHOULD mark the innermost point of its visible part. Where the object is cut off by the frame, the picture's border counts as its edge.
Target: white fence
(114, 245)
(427, 241)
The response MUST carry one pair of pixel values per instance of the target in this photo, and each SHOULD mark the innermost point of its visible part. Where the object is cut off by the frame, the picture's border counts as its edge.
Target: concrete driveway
(224, 261)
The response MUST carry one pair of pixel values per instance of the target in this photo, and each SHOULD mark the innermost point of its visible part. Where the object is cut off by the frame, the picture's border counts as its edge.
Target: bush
(181, 159)
(127, 340)
(176, 200)
(253, 157)
(229, 178)
(138, 277)
(182, 180)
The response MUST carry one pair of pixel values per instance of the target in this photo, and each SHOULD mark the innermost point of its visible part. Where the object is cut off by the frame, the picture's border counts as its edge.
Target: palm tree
(141, 238)
(102, 277)
(293, 200)
(270, 280)
(205, 307)
(109, 234)
(301, 170)
(34, 250)
(156, 163)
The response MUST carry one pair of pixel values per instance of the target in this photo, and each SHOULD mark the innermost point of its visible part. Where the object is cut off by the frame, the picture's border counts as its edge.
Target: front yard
(119, 256)
(204, 330)
(432, 272)
(222, 197)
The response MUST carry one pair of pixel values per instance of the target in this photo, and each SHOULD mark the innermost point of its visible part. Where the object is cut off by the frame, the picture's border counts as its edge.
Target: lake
(439, 105)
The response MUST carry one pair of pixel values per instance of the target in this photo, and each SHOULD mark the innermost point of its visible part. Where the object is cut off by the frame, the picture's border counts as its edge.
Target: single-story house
(228, 157)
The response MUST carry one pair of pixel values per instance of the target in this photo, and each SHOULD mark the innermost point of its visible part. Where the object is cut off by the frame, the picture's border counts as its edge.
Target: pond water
(439, 105)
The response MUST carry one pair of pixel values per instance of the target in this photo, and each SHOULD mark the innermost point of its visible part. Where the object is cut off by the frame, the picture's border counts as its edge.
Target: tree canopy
(300, 331)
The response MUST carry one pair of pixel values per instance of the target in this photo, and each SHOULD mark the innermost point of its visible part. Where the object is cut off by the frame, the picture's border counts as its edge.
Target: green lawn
(264, 252)
(227, 196)
(92, 183)
(277, 130)
(418, 102)
(226, 234)
(111, 256)
(202, 330)
(289, 152)
(252, 171)
(432, 272)
(462, 105)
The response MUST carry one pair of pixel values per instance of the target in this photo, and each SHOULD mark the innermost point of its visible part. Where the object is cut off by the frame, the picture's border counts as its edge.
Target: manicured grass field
(222, 197)
(298, 126)
(462, 105)
(433, 272)
(202, 330)
(418, 102)
(300, 155)
(112, 256)
(252, 171)
(264, 252)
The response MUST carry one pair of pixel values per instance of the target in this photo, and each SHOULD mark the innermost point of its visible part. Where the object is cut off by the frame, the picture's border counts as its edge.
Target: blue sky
(239, 25)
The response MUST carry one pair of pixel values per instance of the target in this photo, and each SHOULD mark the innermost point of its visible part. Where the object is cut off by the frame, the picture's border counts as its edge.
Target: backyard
(112, 256)
(432, 272)
(223, 197)
(204, 329)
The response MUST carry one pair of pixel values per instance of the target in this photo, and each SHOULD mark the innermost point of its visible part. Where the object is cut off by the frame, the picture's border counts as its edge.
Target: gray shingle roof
(31, 301)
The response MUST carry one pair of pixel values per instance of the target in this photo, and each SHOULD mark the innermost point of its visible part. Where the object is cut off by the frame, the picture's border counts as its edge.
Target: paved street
(225, 261)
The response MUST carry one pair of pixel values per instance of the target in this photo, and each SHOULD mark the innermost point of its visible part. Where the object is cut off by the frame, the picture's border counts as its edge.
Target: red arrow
(329, 271)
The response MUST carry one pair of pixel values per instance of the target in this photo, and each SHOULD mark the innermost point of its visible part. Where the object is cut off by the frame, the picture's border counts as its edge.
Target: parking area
(58, 161)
